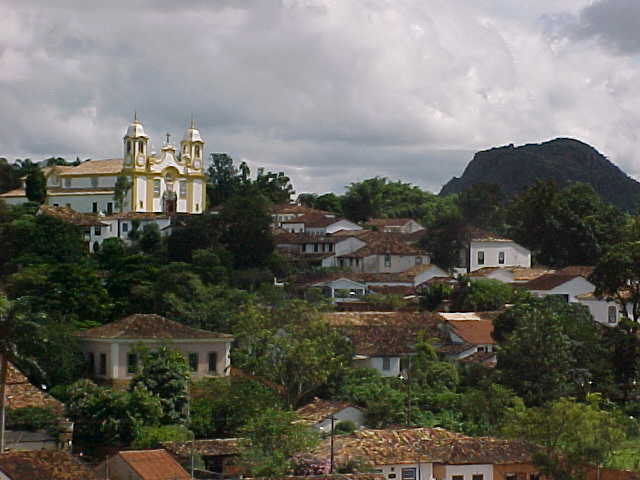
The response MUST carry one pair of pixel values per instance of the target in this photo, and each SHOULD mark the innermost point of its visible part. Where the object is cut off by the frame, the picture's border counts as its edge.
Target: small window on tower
(129, 147)
(183, 189)
(197, 151)
(156, 187)
(141, 146)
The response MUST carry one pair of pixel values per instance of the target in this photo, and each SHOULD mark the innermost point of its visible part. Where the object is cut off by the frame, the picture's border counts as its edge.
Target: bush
(31, 419)
(151, 437)
(345, 427)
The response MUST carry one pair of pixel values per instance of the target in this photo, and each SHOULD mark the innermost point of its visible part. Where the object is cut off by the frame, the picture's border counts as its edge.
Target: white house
(468, 333)
(111, 350)
(567, 287)
(490, 250)
(606, 312)
(395, 225)
(510, 274)
(318, 224)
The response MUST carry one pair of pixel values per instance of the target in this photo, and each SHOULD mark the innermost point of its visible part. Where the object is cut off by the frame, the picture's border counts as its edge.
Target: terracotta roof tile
(334, 476)
(286, 208)
(548, 281)
(488, 359)
(581, 270)
(392, 290)
(213, 447)
(22, 393)
(43, 465)
(111, 166)
(69, 215)
(149, 326)
(409, 445)
(388, 222)
(475, 332)
(154, 465)
(315, 220)
(320, 409)
(480, 235)
(380, 243)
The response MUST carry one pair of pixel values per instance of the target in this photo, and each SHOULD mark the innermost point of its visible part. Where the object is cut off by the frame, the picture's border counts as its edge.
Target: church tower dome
(192, 147)
(135, 144)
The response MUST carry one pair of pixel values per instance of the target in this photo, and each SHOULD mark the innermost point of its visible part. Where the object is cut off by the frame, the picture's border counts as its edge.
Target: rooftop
(582, 270)
(388, 222)
(213, 447)
(475, 332)
(315, 220)
(154, 465)
(149, 326)
(22, 393)
(520, 274)
(380, 243)
(111, 166)
(548, 281)
(408, 445)
(43, 465)
(320, 409)
(69, 215)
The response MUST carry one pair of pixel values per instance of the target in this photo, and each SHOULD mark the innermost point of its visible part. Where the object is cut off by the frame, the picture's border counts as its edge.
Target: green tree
(36, 186)
(565, 436)
(274, 438)
(482, 205)
(151, 242)
(122, 187)
(446, 240)
(481, 295)
(223, 180)
(165, 374)
(9, 178)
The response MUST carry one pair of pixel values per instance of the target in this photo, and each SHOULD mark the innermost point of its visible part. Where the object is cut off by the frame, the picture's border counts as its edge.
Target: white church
(166, 183)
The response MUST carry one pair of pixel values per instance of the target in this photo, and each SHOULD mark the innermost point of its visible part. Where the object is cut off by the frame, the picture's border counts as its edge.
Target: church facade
(170, 182)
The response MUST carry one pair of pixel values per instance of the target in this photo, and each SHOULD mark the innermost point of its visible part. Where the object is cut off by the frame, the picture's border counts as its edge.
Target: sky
(328, 91)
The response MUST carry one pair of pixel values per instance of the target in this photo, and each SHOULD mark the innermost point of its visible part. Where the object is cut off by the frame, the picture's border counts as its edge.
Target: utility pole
(409, 392)
(333, 419)
(4, 366)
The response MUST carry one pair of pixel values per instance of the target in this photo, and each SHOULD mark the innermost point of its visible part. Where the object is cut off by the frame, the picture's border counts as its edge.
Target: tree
(446, 240)
(164, 373)
(481, 295)
(36, 186)
(223, 181)
(482, 205)
(297, 351)
(617, 276)
(151, 241)
(247, 230)
(274, 438)
(122, 187)
(565, 437)
(9, 178)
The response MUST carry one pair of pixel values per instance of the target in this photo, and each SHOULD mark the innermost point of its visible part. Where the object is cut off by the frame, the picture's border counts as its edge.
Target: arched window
(141, 146)
(197, 151)
(129, 146)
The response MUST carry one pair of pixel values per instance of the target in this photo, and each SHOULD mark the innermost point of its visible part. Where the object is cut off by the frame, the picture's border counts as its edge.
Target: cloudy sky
(330, 91)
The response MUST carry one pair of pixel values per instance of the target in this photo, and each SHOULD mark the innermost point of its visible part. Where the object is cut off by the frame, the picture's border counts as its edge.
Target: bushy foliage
(147, 437)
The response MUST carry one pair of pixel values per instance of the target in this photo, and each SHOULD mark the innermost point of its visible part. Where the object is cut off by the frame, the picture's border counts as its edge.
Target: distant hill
(564, 160)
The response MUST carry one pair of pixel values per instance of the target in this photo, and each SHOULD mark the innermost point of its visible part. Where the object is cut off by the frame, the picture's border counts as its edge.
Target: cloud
(330, 91)
(614, 23)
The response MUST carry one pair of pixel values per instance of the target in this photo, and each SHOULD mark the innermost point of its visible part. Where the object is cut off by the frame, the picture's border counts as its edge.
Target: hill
(564, 160)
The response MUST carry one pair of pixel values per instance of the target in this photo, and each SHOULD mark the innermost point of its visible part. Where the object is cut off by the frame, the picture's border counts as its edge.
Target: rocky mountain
(564, 160)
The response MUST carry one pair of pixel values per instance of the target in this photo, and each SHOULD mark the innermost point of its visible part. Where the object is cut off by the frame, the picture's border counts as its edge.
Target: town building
(111, 350)
(395, 225)
(318, 414)
(43, 465)
(141, 465)
(486, 249)
(172, 181)
(220, 456)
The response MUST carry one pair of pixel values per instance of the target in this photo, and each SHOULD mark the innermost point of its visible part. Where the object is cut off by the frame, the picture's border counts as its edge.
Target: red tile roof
(43, 465)
(582, 270)
(69, 215)
(149, 326)
(288, 208)
(388, 222)
(215, 447)
(475, 332)
(320, 409)
(315, 220)
(111, 166)
(21, 393)
(548, 281)
(154, 465)
(381, 243)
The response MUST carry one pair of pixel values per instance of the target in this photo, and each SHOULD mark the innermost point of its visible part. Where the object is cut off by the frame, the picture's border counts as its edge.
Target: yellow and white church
(166, 183)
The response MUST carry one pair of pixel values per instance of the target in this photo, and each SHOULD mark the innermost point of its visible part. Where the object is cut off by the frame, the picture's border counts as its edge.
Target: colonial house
(289, 211)
(92, 228)
(318, 414)
(383, 253)
(220, 456)
(510, 274)
(141, 465)
(169, 182)
(432, 453)
(111, 350)
(395, 225)
(43, 464)
(381, 340)
(469, 336)
(318, 224)
(487, 249)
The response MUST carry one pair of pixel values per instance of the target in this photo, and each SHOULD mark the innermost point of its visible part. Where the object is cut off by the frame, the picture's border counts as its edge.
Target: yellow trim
(203, 205)
(149, 206)
(134, 193)
(189, 196)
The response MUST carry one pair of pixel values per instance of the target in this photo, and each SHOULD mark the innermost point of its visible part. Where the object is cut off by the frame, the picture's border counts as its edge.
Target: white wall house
(386, 365)
(606, 312)
(564, 286)
(497, 253)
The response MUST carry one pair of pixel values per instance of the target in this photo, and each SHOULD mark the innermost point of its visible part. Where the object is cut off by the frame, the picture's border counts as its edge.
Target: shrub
(151, 437)
(345, 427)
(31, 419)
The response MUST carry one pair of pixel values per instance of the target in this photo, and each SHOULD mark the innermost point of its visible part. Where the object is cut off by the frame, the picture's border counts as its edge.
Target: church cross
(168, 136)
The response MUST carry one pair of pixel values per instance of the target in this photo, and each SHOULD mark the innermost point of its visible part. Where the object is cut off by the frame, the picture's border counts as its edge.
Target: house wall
(348, 245)
(424, 471)
(573, 287)
(427, 275)
(399, 263)
(502, 275)
(83, 203)
(117, 352)
(293, 227)
(467, 471)
(500, 472)
(599, 310)
(351, 414)
(515, 255)
(342, 225)
(83, 181)
(377, 363)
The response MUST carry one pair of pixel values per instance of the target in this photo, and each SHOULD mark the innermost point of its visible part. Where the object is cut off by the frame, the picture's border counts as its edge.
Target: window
(56, 204)
(156, 187)
(386, 363)
(125, 227)
(109, 208)
(129, 147)
(418, 260)
(103, 364)
(132, 363)
(193, 361)
(391, 475)
(97, 231)
(183, 189)
(331, 247)
(94, 207)
(613, 314)
(501, 258)
(315, 247)
(480, 257)
(480, 349)
(534, 476)
(94, 181)
(510, 476)
(457, 477)
(387, 260)
(197, 207)
(141, 146)
(197, 151)
(409, 474)
(141, 204)
(91, 363)
(55, 180)
(67, 182)
(213, 362)
(477, 476)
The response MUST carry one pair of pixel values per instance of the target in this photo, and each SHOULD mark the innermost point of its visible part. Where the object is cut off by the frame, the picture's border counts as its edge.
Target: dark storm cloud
(615, 23)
